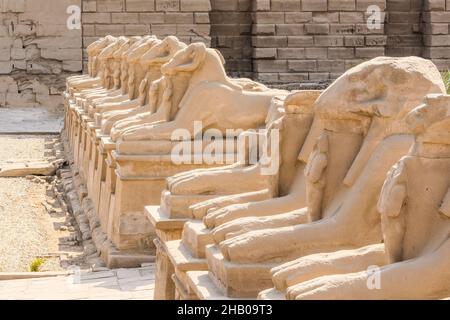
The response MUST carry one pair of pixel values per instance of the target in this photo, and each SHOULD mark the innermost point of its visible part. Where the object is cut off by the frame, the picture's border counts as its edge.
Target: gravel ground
(32, 223)
(14, 148)
(22, 234)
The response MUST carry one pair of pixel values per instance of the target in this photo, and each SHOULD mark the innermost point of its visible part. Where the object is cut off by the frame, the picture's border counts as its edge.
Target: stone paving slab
(120, 284)
(29, 120)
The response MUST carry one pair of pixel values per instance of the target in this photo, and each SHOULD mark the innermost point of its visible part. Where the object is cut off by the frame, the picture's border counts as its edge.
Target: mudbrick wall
(274, 41)
(37, 52)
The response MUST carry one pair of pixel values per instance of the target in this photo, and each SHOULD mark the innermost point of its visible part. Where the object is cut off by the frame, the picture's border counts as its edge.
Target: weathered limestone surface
(414, 216)
(37, 52)
(376, 136)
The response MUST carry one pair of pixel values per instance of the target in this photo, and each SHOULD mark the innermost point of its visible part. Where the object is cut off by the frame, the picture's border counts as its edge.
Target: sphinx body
(344, 207)
(93, 78)
(167, 93)
(413, 205)
(132, 74)
(153, 90)
(236, 185)
(224, 103)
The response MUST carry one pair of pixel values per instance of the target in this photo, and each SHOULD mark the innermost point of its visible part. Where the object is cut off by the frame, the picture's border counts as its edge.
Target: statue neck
(431, 149)
(210, 70)
(180, 83)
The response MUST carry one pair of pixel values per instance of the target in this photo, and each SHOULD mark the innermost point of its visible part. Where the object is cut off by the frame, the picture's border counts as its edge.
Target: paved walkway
(119, 284)
(29, 120)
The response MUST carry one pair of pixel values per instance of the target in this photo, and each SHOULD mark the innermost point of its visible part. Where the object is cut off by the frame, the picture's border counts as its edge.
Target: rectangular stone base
(238, 280)
(181, 292)
(127, 259)
(183, 262)
(196, 236)
(164, 285)
(182, 259)
(205, 289)
(167, 229)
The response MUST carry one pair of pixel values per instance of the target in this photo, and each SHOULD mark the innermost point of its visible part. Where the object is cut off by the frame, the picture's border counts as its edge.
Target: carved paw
(232, 228)
(347, 286)
(251, 247)
(136, 134)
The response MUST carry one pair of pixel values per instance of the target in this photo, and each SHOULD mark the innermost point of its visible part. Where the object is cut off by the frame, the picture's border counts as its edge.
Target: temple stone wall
(37, 52)
(274, 41)
(187, 19)
(436, 32)
(313, 40)
(231, 33)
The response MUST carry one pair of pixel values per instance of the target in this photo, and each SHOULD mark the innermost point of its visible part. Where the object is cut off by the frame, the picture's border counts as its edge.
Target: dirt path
(32, 223)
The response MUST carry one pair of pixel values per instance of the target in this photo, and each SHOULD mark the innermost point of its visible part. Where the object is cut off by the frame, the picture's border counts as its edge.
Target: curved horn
(220, 56)
(198, 55)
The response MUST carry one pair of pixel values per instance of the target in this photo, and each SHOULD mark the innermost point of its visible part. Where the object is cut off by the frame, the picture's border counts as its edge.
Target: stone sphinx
(131, 74)
(229, 105)
(342, 180)
(150, 91)
(292, 116)
(119, 71)
(108, 62)
(413, 262)
(75, 100)
(142, 165)
(166, 94)
(239, 180)
(93, 78)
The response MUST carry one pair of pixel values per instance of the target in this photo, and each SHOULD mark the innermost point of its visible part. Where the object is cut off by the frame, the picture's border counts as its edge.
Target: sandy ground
(22, 233)
(25, 147)
(32, 224)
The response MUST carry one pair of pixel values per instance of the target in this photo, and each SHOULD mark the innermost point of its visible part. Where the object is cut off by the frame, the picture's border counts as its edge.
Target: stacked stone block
(436, 30)
(231, 27)
(313, 40)
(37, 52)
(403, 27)
(186, 19)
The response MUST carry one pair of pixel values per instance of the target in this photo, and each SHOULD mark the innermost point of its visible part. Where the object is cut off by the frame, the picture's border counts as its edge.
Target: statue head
(191, 58)
(430, 115)
(135, 54)
(162, 52)
(375, 97)
(97, 46)
(382, 87)
(108, 51)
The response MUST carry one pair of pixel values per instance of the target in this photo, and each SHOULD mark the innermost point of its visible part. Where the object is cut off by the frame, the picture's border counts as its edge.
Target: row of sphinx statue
(359, 207)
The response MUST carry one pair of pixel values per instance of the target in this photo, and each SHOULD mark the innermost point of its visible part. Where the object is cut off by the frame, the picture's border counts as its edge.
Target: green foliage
(36, 264)
(446, 78)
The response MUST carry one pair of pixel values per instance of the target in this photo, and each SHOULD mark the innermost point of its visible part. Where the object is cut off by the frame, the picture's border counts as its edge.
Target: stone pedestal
(140, 181)
(236, 279)
(166, 230)
(169, 226)
(99, 168)
(183, 262)
(85, 147)
(92, 164)
(204, 288)
(78, 135)
(107, 187)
